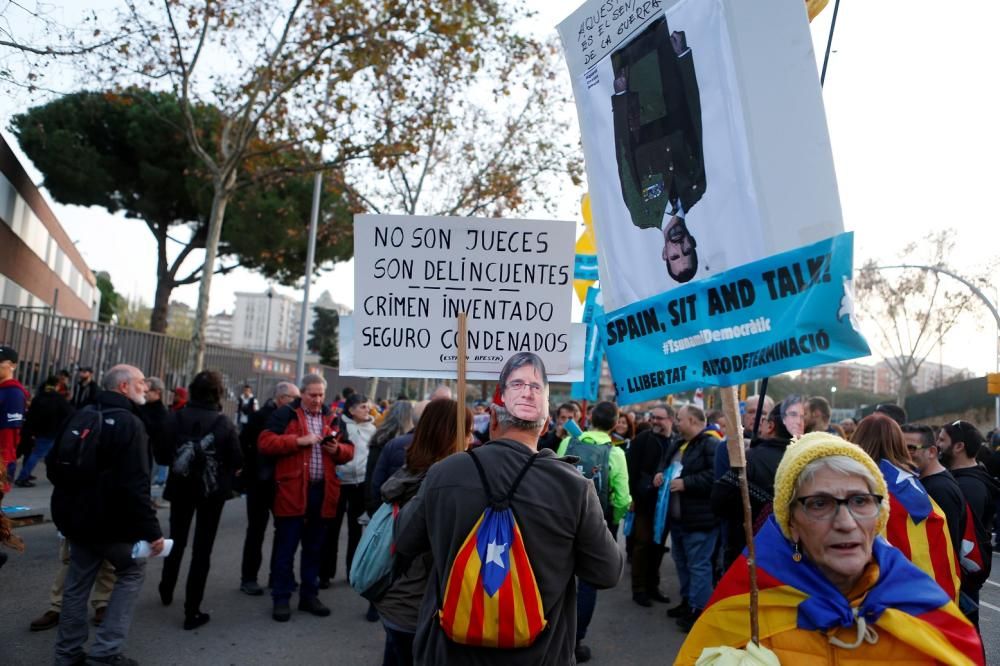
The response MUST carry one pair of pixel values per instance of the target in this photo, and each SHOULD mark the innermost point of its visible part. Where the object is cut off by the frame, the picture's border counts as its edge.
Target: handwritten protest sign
(786, 312)
(414, 275)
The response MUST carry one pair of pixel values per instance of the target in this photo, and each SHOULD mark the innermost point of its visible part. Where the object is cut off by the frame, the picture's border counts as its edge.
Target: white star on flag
(903, 475)
(493, 553)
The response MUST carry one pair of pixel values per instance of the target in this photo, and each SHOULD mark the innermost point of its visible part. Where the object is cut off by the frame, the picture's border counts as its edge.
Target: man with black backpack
(99, 467)
(604, 464)
(556, 533)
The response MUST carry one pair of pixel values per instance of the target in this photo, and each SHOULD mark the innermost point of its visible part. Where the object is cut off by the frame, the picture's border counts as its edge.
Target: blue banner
(589, 387)
(786, 312)
(585, 267)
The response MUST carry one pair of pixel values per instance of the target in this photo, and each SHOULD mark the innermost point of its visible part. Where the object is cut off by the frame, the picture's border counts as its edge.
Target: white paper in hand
(145, 549)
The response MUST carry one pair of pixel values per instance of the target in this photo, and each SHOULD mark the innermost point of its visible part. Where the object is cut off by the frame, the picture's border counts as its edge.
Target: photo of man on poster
(656, 111)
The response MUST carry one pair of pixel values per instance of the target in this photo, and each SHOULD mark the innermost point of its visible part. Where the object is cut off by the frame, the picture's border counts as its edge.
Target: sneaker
(99, 614)
(281, 612)
(642, 599)
(24, 484)
(582, 653)
(314, 606)
(116, 659)
(196, 620)
(680, 610)
(687, 622)
(47, 620)
(251, 588)
(659, 597)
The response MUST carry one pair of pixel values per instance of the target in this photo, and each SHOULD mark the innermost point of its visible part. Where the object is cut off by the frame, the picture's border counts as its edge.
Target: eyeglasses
(518, 386)
(825, 507)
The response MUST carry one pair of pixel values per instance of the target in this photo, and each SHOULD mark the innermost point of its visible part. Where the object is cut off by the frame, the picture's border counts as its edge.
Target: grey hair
(520, 360)
(697, 412)
(508, 421)
(665, 407)
(116, 376)
(283, 389)
(768, 403)
(311, 379)
(442, 388)
(154, 384)
(842, 465)
(398, 420)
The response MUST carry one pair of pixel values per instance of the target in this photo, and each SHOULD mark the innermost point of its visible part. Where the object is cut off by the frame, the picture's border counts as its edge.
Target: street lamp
(267, 321)
(833, 396)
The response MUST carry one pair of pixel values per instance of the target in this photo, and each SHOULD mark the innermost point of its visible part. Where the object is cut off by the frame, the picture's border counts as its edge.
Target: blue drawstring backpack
(371, 570)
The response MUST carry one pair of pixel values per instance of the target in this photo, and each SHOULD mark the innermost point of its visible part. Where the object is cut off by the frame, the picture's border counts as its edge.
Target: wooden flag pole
(738, 462)
(463, 340)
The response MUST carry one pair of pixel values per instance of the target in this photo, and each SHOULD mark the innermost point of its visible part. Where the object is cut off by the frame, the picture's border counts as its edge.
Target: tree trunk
(222, 189)
(164, 283)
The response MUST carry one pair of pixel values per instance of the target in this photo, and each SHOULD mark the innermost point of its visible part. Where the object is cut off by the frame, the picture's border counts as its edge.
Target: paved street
(242, 632)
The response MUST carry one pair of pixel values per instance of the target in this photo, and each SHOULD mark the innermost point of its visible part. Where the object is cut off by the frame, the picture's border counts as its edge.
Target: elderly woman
(832, 590)
(917, 525)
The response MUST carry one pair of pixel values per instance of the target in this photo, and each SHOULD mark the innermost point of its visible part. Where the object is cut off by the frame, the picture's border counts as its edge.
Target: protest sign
(589, 388)
(786, 312)
(704, 137)
(415, 275)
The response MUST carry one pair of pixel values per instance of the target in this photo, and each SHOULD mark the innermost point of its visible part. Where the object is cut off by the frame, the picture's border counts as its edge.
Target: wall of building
(37, 257)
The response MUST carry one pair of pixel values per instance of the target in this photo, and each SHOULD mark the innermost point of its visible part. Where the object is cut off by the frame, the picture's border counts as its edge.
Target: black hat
(893, 411)
(8, 354)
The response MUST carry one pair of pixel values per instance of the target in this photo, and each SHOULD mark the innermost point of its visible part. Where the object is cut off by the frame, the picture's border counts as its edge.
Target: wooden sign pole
(463, 340)
(737, 461)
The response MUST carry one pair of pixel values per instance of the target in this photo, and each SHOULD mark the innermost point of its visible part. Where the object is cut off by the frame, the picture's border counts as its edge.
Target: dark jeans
(398, 648)
(182, 512)
(351, 505)
(310, 529)
(586, 599)
(260, 500)
(42, 447)
(646, 555)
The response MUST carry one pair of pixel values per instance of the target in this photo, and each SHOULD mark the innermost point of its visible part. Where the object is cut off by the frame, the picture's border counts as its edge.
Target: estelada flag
(491, 598)
(975, 567)
(919, 528)
(903, 602)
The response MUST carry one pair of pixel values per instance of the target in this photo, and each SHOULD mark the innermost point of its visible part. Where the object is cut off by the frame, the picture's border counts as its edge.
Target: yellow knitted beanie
(807, 449)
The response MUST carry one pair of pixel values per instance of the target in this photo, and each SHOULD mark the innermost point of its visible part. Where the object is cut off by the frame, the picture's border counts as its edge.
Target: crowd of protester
(318, 465)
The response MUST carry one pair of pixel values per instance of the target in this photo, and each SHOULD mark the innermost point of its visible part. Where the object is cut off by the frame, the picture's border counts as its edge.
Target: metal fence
(48, 343)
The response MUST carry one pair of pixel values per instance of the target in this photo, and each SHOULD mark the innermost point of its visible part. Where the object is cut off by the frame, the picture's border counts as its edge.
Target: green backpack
(594, 464)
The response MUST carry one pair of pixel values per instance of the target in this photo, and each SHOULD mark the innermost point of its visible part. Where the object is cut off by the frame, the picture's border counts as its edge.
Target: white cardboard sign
(414, 275)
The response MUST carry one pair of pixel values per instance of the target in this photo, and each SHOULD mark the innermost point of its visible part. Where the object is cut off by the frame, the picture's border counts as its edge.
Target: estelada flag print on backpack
(491, 598)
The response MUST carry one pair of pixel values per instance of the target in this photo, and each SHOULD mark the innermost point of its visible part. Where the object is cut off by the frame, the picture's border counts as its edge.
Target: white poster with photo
(414, 275)
(683, 163)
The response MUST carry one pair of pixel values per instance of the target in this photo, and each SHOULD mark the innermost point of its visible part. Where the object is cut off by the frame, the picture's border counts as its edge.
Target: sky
(913, 126)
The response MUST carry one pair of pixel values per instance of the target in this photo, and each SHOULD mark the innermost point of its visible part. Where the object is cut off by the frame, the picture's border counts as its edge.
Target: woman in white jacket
(359, 428)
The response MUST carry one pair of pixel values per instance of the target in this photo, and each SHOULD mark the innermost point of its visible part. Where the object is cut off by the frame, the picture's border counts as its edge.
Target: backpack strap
(503, 502)
(482, 477)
